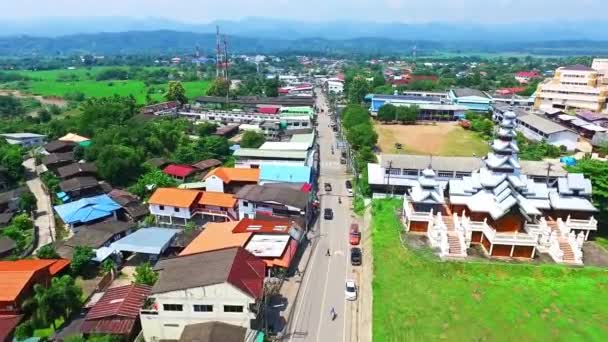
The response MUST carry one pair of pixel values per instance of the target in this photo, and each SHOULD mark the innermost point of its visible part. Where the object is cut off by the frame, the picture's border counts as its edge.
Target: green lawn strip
(602, 242)
(417, 298)
(48, 332)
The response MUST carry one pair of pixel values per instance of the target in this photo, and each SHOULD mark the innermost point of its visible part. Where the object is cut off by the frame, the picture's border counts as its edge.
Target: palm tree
(39, 307)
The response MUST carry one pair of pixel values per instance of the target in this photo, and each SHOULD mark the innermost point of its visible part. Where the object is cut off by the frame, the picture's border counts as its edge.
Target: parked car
(328, 214)
(351, 290)
(349, 188)
(327, 186)
(355, 234)
(342, 160)
(356, 256)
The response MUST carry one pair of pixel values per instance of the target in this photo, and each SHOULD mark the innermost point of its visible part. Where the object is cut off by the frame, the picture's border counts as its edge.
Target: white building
(539, 128)
(576, 87)
(24, 140)
(225, 286)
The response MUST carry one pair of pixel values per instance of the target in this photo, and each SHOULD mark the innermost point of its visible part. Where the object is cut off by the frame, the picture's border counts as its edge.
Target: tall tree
(144, 274)
(81, 257)
(27, 202)
(47, 252)
(119, 164)
(176, 92)
(387, 113)
(357, 89)
(252, 139)
(219, 87)
(271, 87)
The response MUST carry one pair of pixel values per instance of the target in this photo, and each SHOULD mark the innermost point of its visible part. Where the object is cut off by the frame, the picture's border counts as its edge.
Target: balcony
(517, 238)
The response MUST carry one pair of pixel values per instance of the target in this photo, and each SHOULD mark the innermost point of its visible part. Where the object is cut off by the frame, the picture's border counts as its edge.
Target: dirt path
(57, 101)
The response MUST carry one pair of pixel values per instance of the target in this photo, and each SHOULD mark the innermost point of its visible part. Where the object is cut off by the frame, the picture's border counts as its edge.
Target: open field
(418, 298)
(444, 138)
(50, 83)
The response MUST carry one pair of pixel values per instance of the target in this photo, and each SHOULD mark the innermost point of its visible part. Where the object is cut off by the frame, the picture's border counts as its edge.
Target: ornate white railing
(554, 251)
(590, 224)
(562, 227)
(462, 236)
(576, 244)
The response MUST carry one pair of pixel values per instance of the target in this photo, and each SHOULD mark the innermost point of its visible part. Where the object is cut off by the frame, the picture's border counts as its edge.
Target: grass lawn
(46, 83)
(417, 298)
(443, 139)
(48, 332)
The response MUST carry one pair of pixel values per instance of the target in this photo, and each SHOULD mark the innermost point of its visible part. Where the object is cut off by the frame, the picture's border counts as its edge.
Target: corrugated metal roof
(438, 163)
(275, 154)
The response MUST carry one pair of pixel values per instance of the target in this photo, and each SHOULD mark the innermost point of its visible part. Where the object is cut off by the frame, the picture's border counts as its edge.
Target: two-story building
(473, 99)
(25, 140)
(273, 200)
(224, 286)
(178, 206)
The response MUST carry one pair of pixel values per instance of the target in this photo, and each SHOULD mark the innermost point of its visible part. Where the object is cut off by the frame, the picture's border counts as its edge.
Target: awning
(595, 128)
(566, 117)
(579, 123)
(152, 240)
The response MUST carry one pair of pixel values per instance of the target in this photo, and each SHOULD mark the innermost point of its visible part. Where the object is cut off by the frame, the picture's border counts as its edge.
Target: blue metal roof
(153, 240)
(87, 209)
(407, 98)
(285, 173)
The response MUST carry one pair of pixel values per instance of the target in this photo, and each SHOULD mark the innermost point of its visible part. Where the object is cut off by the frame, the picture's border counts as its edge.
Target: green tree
(378, 80)
(176, 92)
(24, 330)
(20, 229)
(357, 89)
(219, 87)
(81, 258)
(47, 252)
(387, 113)
(362, 135)
(144, 274)
(151, 180)
(40, 307)
(10, 106)
(27, 202)
(206, 128)
(108, 265)
(252, 139)
(44, 115)
(597, 172)
(271, 87)
(354, 115)
(11, 161)
(119, 164)
(213, 147)
(408, 114)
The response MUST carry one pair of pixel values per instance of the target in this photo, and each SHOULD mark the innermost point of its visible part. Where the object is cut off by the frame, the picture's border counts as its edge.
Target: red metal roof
(268, 109)
(7, 324)
(178, 170)
(306, 187)
(117, 310)
(248, 225)
(529, 74)
(247, 273)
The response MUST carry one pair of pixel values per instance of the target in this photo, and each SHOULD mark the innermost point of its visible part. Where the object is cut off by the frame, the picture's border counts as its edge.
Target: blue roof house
(87, 210)
(279, 173)
(473, 99)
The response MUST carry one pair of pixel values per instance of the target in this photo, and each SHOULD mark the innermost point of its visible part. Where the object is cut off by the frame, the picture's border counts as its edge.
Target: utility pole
(226, 67)
(217, 52)
(390, 168)
(549, 169)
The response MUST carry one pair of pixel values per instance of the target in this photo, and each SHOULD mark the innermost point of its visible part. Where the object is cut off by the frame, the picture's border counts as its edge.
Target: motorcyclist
(328, 254)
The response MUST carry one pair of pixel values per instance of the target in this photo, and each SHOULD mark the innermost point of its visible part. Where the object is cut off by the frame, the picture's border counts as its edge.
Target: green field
(417, 298)
(47, 83)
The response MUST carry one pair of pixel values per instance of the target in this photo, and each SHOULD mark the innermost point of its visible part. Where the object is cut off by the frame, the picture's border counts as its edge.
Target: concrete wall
(168, 210)
(214, 183)
(169, 325)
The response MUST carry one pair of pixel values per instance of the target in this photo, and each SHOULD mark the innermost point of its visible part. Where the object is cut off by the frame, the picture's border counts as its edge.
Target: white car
(351, 290)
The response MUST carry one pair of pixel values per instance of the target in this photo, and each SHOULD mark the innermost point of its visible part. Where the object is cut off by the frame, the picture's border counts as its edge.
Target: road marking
(339, 253)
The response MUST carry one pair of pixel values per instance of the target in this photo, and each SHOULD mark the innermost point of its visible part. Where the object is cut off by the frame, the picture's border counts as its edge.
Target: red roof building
(117, 311)
(510, 91)
(248, 225)
(8, 323)
(269, 109)
(179, 171)
(526, 76)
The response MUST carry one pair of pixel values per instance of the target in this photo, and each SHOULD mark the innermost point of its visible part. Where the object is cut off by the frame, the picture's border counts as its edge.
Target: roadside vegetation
(418, 298)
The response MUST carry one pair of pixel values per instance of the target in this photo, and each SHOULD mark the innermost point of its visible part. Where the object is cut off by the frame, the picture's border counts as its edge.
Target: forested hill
(136, 42)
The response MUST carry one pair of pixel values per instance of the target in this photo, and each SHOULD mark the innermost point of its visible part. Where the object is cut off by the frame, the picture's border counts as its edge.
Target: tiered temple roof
(499, 186)
(427, 189)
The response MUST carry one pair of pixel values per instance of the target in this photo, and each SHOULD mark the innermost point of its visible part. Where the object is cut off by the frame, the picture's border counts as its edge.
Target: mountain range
(268, 28)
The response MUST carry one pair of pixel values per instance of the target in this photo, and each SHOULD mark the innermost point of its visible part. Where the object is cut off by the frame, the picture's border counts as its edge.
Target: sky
(202, 11)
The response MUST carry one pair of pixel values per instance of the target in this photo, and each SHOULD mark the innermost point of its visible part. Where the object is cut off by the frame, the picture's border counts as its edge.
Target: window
(445, 174)
(410, 172)
(202, 308)
(246, 203)
(161, 207)
(233, 308)
(173, 307)
(172, 325)
(176, 209)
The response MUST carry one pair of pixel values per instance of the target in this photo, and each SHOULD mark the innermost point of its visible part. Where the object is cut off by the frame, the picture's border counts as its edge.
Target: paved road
(44, 214)
(323, 285)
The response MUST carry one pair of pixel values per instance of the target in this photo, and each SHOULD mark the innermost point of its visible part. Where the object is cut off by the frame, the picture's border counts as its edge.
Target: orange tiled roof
(231, 174)
(12, 283)
(216, 236)
(181, 198)
(15, 275)
(218, 199)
